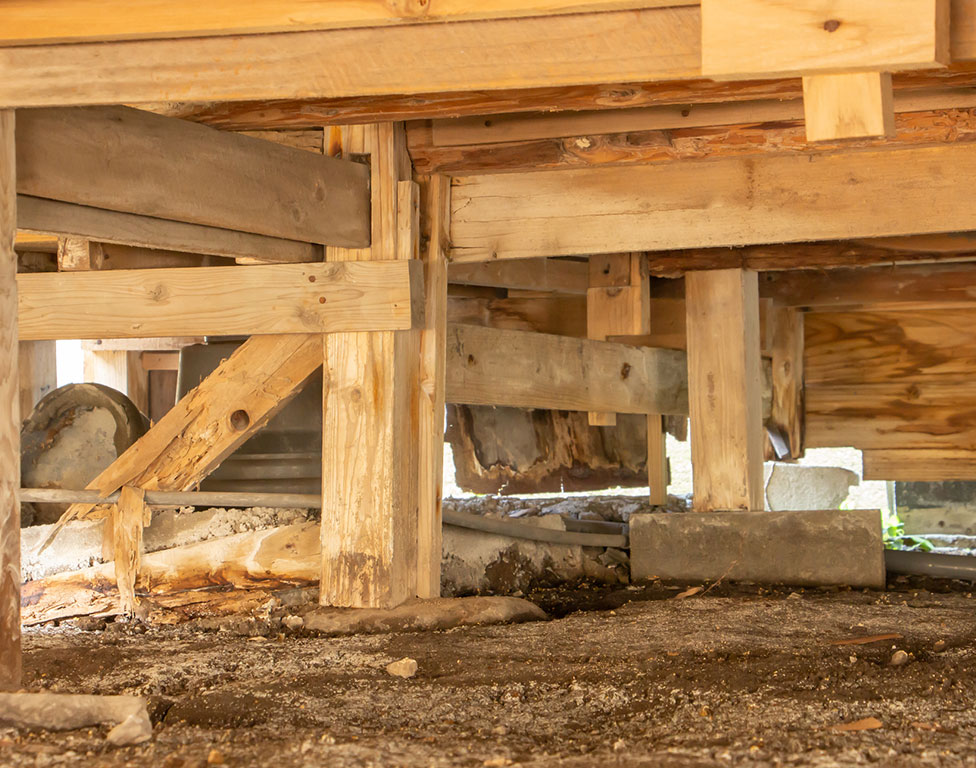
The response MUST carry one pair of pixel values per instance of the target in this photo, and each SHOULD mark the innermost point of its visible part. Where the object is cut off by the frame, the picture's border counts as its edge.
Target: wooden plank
(160, 361)
(787, 367)
(919, 465)
(582, 48)
(370, 438)
(121, 370)
(916, 412)
(848, 348)
(61, 21)
(129, 516)
(10, 655)
(143, 345)
(434, 229)
(944, 284)
(747, 200)
(558, 275)
(556, 314)
(657, 460)
(724, 389)
(764, 38)
(214, 418)
(850, 105)
(488, 366)
(271, 299)
(226, 180)
(38, 372)
(37, 215)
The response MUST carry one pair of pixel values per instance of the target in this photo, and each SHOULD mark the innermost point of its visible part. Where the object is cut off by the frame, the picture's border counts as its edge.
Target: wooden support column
(38, 372)
(787, 411)
(435, 221)
(121, 370)
(725, 389)
(617, 304)
(10, 658)
(370, 440)
(657, 460)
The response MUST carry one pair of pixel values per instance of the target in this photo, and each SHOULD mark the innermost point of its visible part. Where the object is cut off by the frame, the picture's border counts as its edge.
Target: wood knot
(831, 25)
(471, 360)
(625, 370)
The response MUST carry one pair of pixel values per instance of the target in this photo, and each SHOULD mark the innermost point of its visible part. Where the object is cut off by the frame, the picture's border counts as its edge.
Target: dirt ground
(738, 676)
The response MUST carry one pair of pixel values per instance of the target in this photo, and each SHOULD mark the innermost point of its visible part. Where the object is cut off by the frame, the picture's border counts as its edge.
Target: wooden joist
(912, 465)
(766, 38)
(271, 299)
(557, 275)
(726, 202)
(136, 162)
(488, 366)
(37, 215)
(10, 656)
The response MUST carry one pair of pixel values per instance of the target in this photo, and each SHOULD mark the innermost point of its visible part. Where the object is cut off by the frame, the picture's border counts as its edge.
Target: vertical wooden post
(786, 348)
(725, 389)
(617, 304)
(10, 657)
(657, 460)
(370, 439)
(38, 372)
(435, 223)
(121, 370)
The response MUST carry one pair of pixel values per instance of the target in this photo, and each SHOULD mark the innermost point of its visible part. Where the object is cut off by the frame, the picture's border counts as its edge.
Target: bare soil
(626, 677)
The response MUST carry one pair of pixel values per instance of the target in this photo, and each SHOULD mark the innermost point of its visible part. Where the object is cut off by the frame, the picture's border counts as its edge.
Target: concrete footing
(802, 548)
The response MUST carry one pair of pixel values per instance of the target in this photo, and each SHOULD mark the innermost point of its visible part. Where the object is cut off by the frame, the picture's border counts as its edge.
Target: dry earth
(739, 676)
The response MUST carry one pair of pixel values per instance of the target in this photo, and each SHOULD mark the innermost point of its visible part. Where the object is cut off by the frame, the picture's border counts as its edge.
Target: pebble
(898, 658)
(293, 623)
(135, 729)
(940, 645)
(405, 667)
(216, 757)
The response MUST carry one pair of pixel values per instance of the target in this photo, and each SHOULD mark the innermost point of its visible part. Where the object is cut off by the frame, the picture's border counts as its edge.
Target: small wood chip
(690, 592)
(865, 724)
(867, 639)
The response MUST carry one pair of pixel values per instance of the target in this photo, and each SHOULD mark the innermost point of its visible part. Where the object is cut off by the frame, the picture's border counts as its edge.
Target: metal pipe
(511, 528)
(936, 565)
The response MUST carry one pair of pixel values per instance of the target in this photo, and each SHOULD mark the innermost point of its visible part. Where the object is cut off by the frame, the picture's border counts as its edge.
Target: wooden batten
(156, 166)
(269, 299)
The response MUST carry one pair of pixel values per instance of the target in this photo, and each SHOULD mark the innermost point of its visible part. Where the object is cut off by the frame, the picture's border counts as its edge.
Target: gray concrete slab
(807, 548)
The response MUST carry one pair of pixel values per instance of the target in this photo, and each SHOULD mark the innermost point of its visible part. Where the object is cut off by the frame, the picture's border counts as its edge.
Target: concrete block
(807, 548)
(797, 486)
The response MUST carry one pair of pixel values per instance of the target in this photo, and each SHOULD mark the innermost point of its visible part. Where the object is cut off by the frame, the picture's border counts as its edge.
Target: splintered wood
(129, 517)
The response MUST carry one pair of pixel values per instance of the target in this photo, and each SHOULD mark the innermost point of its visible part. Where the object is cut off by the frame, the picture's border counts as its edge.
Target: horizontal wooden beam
(727, 202)
(581, 48)
(488, 366)
(57, 21)
(905, 286)
(558, 275)
(37, 215)
(131, 161)
(218, 301)
(919, 465)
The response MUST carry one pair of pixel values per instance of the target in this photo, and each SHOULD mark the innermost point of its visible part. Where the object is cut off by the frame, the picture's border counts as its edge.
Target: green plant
(893, 533)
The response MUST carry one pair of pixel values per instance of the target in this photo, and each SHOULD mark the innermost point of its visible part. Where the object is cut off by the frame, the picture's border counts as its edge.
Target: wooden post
(435, 220)
(370, 438)
(725, 389)
(38, 372)
(10, 657)
(657, 460)
(787, 411)
(121, 370)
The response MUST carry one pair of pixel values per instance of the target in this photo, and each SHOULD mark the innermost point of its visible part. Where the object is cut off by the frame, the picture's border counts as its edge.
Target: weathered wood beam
(10, 655)
(156, 166)
(37, 215)
(849, 105)
(787, 411)
(725, 389)
(370, 437)
(38, 372)
(764, 38)
(71, 21)
(747, 201)
(557, 314)
(270, 299)
(925, 465)
(488, 366)
(557, 275)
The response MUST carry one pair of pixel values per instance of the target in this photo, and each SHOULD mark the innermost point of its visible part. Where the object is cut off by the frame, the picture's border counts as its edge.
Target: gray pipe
(511, 528)
(938, 566)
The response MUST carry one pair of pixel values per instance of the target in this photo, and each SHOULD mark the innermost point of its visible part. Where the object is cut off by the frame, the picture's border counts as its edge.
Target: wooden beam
(370, 438)
(10, 655)
(850, 105)
(214, 418)
(919, 465)
(724, 388)
(488, 366)
(37, 215)
(225, 180)
(72, 21)
(748, 201)
(557, 275)
(38, 372)
(271, 299)
(435, 222)
(764, 38)
(660, 43)
(556, 314)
